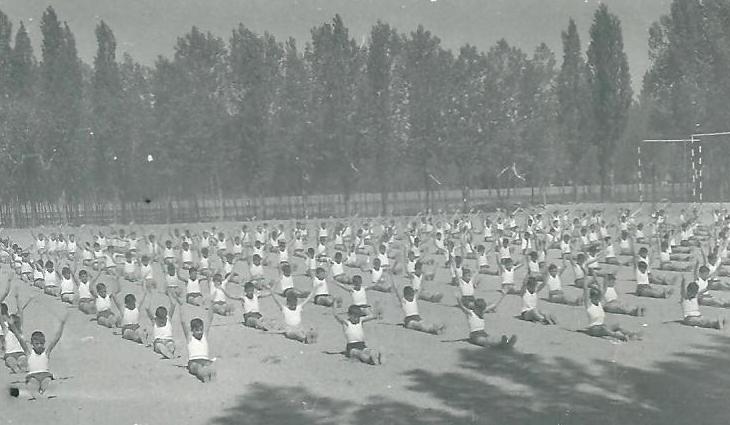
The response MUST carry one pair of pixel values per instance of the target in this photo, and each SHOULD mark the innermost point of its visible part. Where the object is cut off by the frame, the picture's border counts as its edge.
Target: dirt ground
(555, 375)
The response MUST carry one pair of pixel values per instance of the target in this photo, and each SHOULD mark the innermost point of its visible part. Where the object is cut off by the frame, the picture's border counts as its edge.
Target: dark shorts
(467, 299)
(200, 362)
(413, 318)
(39, 376)
(132, 327)
(317, 297)
(252, 315)
(354, 346)
(478, 334)
(192, 295)
(105, 314)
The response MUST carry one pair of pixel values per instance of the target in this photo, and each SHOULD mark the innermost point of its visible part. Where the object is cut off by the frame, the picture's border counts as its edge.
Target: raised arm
(184, 323)
(339, 319)
(57, 336)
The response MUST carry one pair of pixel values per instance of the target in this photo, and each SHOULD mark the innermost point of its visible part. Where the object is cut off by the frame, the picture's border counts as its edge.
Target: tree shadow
(280, 405)
(521, 388)
(493, 387)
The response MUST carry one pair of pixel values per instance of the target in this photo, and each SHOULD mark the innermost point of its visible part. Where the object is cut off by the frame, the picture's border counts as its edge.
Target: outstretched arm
(491, 308)
(57, 336)
(339, 319)
(184, 323)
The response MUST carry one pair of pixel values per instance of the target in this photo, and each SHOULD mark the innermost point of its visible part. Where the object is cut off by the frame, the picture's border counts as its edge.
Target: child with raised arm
(161, 319)
(529, 312)
(355, 335)
(252, 317)
(200, 365)
(691, 309)
(321, 290)
(409, 305)
(219, 305)
(507, 272)
(475, 317)
(592, 298)
(193, 293)
(87, 292)
(129, 312)
(105, 316)
(612, 304)
(292, 312)
(39, 375)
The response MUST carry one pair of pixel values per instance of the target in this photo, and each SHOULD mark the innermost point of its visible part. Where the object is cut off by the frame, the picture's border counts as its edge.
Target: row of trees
(251, 115)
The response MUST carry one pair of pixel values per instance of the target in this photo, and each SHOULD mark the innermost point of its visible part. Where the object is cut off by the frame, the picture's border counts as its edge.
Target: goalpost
(696, 160)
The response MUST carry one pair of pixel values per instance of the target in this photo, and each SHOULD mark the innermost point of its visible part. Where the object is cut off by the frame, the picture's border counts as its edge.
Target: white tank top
(172, 281)
(533, 267)
(84, 292)
(37, 362)
(610, 253)
(103, 304)
(411, 267)
(466, 288)
(642, 278)
(410, 308)
(67, 286)
(88, 255)
(701, 284)
(691, 308)
(256, 270)
(376, 275)
(596, 315)
(529, 301)
(72, 247)
(292, 318)
(204, 263)
(198, 348)
(476, 323)
(164, 332)
(320, 287)
(508, 277)
(218, 295)
(483, 261)
(283, 256)
(227, 268)
(187, 256)
(129, 267)
(251, 305)
(130, 317)
(286, 282)
(354, 332)
(504, 252)
(193, 286)
(51, 279)
(359, 297)
(337, 269)
(237, 248)
(146, 271)
(611, 294)
(169, 253)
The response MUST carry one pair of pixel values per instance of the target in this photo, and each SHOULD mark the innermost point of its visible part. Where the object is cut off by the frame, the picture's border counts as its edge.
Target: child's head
(338, 257)
(320, 273)
(531, 284)
(145, 260)
(49, 266)
(193, 273)
(642, 266)
(466, 274)
(128, 256)
(457, 261)
(354, 313)
(533, 256)
(130, 301)
(481, 249)
(256, 260)
(643, 252)
(171, 269)
(185, 246)
(196, 328)
(376, 263)
(249, 288)
(66, 272)
(595, 295)
(408, 293)
(291, 300)
(704, 272)
(168, 244)
(204, 252)
(217, 279)
(508, 263)
(357, 282)
(101, 289)
(553, 270)
(161, 313)
(310, 252)
(286, 269)
(38, 342)
(692, 290)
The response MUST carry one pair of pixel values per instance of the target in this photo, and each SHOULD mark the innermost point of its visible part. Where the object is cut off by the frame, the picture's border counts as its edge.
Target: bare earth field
(676, 375)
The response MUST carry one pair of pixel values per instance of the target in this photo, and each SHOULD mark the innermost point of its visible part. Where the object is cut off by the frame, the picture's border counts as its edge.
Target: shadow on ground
(517, 388)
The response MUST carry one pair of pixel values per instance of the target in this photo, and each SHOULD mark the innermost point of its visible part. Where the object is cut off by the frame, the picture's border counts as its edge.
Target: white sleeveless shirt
(198, 348)
(354, 332)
